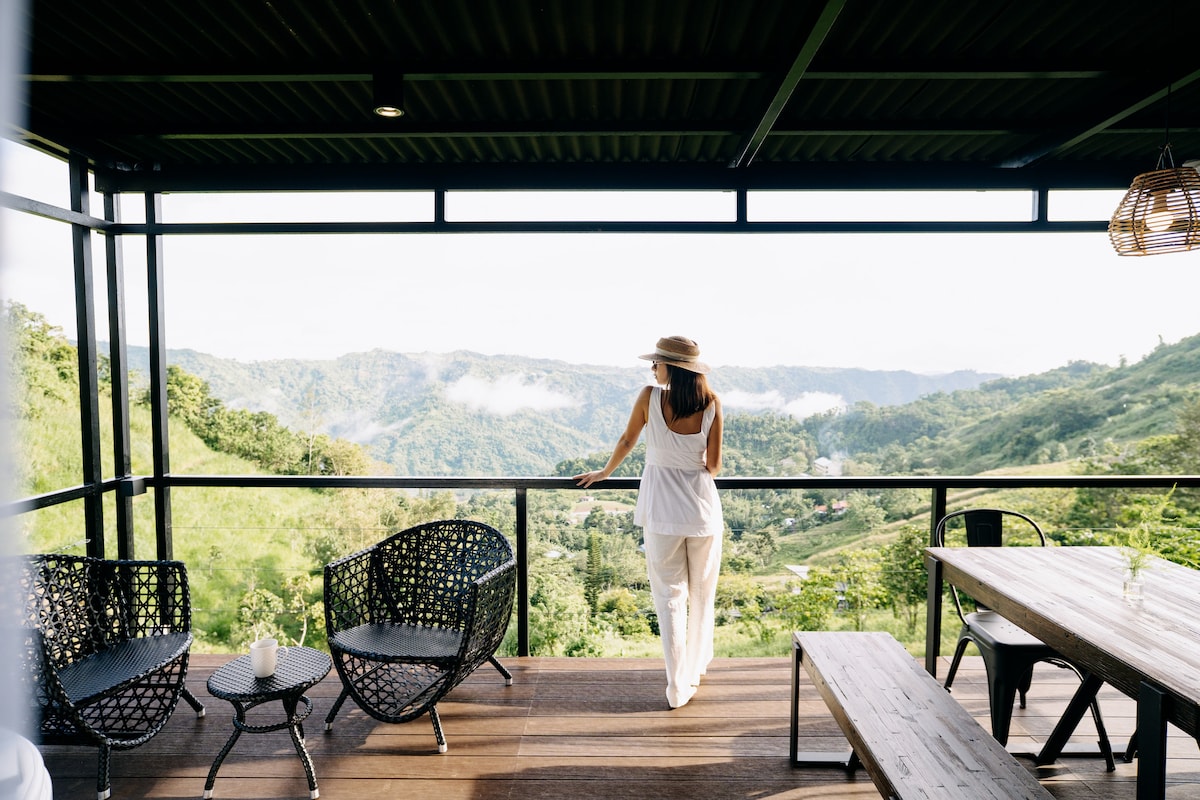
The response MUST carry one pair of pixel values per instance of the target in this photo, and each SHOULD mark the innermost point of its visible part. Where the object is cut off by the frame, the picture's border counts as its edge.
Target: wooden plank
(913, 738)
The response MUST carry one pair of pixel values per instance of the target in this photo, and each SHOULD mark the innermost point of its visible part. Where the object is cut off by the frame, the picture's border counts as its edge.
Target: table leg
(1152, 743)
(795, 740)
(1078, 706)
(933, 614)
(240, 717)
(296, 729)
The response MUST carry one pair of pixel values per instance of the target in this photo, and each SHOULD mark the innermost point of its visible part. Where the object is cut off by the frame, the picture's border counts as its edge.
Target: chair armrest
(349, 594)
(491, 608)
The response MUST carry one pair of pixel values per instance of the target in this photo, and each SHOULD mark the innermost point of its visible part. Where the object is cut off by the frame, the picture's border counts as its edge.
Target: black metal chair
(409, 618)
(1009, 652)
(104, 649)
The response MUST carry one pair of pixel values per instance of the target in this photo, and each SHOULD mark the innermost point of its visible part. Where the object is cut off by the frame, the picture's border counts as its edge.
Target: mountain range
(467, 413)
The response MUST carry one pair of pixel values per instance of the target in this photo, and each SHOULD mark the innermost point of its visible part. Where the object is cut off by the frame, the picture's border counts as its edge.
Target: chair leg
(196, 705)
(337, 706)
(437, 729)
(103, 784)
(507, 675)
(1023, 686)
(954, 662)
(1002, 696)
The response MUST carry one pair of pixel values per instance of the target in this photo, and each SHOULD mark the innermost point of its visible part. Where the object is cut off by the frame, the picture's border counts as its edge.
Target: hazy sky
(1013, 304)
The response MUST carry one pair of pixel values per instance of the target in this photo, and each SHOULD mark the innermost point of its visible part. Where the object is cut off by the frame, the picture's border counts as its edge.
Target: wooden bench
(910, 735)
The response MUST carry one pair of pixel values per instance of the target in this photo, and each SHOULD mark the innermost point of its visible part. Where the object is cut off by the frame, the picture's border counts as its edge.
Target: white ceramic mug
(263, 656)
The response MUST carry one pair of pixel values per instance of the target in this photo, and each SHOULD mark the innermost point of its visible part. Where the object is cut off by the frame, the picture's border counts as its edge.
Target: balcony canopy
(614, 94)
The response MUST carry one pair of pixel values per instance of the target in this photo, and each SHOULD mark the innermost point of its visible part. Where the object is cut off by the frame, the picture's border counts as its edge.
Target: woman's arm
(633, 429)
(712, 456)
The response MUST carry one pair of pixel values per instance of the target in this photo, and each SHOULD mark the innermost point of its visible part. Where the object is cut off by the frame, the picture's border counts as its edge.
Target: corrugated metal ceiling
(602, 94)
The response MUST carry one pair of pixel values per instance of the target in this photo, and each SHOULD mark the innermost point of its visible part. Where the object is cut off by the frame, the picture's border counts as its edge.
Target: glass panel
(591, 206)
(38, 275)
(58, 529)
(1081, 205)
(38, 176)
(1011, 206)
(299, 207)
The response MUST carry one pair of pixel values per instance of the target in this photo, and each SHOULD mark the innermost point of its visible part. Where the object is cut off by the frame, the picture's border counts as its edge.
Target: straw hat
(678, 351)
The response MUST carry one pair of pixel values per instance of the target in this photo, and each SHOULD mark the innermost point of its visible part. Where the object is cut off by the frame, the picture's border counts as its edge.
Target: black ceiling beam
(1057, 143)
(656, 73)
(414, 77)
(611, 177)
(808, 51)
(607, 226)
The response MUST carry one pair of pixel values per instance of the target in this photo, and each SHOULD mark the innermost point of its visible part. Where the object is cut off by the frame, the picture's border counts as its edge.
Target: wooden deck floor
(570, 728)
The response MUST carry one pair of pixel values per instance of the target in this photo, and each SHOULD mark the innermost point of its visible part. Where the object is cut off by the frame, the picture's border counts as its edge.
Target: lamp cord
(1165, 152)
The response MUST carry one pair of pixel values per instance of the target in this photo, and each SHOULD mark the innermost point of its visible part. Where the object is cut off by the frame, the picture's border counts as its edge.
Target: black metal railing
(938, 486)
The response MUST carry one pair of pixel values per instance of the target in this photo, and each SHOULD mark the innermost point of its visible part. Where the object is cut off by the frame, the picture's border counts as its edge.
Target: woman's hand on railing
(586, 479)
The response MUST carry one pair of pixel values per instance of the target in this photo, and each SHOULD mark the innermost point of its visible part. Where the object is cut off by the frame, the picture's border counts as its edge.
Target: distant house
(800, 571)
(840, 507)
(822, 466)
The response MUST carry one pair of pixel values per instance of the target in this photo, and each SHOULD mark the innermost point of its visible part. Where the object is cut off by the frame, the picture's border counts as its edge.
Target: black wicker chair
(412, 616)
(105, 649)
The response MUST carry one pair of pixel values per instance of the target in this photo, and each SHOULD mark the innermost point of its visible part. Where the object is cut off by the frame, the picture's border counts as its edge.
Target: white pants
(683, 579)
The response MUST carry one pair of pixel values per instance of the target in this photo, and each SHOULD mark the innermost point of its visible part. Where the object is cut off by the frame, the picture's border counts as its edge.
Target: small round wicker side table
(296, 672)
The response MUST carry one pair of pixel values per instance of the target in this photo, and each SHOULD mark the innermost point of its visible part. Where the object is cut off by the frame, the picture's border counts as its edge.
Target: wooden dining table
(1072, 599)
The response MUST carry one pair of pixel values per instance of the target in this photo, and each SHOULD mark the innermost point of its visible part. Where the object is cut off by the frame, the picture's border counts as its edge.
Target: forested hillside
(465, 413)
(255, 556)
(1076, 411)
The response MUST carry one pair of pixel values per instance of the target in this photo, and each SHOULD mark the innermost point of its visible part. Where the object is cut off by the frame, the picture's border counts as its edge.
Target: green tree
(593, 583)
(865, 513)
(809, 604)
(904, 576)
(861, 575)
(42, 362)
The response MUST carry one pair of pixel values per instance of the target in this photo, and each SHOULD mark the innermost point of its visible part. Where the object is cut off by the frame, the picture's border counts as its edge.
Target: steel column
(155, 291)
(85, 333)
(118, 358)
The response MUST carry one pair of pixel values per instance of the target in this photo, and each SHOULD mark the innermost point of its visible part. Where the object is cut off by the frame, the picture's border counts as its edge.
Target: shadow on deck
(570, 728)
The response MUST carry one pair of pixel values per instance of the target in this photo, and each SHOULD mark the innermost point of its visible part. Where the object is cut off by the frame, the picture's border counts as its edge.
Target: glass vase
(1131, 587)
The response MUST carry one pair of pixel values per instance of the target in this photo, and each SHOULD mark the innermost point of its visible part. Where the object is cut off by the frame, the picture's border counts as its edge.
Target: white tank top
(677, 495)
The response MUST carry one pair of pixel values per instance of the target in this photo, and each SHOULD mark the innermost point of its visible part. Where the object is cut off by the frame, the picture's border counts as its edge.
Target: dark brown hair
(689, 392)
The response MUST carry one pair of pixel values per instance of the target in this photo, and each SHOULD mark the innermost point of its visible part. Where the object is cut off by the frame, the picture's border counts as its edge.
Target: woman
(678, 506)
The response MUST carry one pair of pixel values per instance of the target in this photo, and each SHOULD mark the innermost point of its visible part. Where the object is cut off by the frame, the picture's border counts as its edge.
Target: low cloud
(506, 395)
(802, 407)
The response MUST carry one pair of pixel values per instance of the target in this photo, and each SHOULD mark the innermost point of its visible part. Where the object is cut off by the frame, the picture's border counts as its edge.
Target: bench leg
(847, 761)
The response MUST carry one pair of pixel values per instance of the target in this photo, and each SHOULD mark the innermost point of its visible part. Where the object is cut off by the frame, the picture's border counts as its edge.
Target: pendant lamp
(1161, 211)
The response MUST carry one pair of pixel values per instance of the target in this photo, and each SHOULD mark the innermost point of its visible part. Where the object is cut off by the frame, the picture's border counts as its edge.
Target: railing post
(937, 510)
(522, 504)
(933, 599)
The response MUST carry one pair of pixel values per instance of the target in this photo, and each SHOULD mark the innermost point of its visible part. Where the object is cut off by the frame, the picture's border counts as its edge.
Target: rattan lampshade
(1159, 214)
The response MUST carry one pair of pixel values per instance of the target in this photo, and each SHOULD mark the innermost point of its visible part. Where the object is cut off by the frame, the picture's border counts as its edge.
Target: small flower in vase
(1136, 559)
